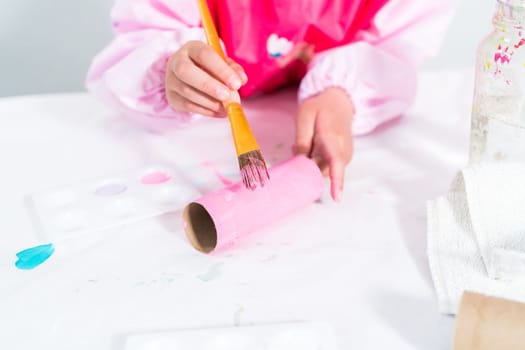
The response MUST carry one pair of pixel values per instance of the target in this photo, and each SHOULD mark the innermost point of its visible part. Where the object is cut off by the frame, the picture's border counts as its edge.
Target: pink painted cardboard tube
(219, 218)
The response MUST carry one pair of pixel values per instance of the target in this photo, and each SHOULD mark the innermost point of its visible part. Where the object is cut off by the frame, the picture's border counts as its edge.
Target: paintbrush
(251, 162)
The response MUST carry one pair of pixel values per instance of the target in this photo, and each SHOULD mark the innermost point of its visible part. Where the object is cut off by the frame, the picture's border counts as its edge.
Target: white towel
(479, 226)
(496, 202)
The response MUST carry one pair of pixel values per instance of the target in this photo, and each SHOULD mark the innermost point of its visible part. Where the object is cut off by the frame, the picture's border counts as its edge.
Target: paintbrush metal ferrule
(251, 162)
(253, 169)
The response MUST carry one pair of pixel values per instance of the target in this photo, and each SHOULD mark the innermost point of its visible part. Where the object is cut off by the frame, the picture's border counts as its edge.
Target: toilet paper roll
(217, 219)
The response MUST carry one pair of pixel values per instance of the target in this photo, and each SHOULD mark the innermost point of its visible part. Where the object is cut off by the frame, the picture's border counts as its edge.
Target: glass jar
(498, 111)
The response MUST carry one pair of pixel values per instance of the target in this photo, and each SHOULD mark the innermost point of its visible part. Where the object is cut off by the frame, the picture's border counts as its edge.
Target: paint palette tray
(110, 202)
(285, 336)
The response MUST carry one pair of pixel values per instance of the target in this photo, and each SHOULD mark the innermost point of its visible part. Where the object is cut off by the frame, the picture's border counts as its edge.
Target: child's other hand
(323, 132)
(198, 80)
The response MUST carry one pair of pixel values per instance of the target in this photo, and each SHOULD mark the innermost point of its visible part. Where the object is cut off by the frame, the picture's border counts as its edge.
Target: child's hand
(198, 80)
(323, 132)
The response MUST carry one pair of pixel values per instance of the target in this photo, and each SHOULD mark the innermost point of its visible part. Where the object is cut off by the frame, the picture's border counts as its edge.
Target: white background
(47, 45)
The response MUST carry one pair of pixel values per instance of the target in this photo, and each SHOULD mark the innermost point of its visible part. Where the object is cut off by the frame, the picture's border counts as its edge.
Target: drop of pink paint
(155, 178)
(225, 181)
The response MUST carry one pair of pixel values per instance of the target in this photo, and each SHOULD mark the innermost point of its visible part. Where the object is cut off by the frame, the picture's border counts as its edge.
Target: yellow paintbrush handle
(209, 28)
(243, 137)
(242, 134)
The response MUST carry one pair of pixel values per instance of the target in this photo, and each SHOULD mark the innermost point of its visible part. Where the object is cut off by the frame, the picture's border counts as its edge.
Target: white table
(360, 265)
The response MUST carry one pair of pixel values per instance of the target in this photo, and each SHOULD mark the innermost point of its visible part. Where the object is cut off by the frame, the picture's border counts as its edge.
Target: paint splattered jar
(498, 112)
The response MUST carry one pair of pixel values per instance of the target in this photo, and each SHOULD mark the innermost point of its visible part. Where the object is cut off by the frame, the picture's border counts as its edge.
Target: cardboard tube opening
(200, 228)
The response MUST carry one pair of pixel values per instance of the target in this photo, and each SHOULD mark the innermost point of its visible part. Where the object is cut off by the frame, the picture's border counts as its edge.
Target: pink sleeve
(129, 73)
(379, 70)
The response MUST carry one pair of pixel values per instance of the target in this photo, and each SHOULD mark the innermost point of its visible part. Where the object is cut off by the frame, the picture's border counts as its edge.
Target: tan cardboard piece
(489, 323)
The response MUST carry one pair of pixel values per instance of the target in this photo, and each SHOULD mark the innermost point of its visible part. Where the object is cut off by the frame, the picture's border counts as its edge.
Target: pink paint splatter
(503, 55)
(221, 178)
(520, 43)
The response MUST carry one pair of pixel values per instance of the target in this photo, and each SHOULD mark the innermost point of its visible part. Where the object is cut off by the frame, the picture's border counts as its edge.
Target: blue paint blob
(30, 258)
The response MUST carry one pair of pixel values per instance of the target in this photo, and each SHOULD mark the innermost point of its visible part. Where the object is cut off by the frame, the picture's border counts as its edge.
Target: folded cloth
(496, 202)
(479, 226)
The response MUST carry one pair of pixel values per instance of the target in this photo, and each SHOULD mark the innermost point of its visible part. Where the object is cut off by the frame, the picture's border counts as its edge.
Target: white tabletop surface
(360, 265)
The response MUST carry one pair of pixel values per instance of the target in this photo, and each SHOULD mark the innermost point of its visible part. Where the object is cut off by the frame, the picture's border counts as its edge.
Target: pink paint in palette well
(110, 202)
(155, 178)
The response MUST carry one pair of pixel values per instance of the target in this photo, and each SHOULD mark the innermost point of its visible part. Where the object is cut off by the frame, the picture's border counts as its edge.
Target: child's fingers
(180, 103)
(204, 56)
(332, 160)
(338, 153)
(194, 76)
(337, 177)
(304, 131)
(321, 162)
(240, 72)
(238, 69)
(195, 95)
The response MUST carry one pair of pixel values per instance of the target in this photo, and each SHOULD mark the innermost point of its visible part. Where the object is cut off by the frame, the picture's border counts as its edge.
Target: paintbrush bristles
(253, 169)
